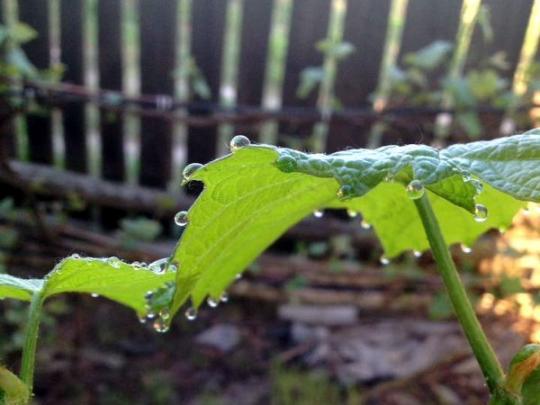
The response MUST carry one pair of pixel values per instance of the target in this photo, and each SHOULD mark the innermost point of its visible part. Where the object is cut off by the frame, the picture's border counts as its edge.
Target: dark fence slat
(110, 68)
(39, 126)
(74, 117)
(157, 47)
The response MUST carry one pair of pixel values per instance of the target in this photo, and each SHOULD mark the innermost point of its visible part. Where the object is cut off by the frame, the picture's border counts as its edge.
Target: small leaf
(429, 57)
(112, 278)
(524, 375)
(14, 391)
(309, 80)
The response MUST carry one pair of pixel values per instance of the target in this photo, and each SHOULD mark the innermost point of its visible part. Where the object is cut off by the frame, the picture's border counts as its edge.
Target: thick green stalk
(275, 66)
(131, 86)
(183, 67)
(483, 351)
(229, 69)
(325, 100)
(521, 75)
(30, 342)
(469, 15)
(392, 45)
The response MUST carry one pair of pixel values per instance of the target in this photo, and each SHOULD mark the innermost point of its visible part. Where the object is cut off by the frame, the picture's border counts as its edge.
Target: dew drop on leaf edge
(480, 213)
(191, 314)
(238, 142)
(160, 325)
(318, 213)
(352, 213)
(365, 225)
(224, 297)
(417, 253)
(384, 260)
(212, 303)
(415, 190)
(190, 170)
(465, 249)
(181, 218)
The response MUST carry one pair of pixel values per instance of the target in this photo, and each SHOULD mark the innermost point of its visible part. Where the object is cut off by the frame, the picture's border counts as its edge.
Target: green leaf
(310, 78)
(429, 57)
(524, 374)
(12, 390)
(23, 33)
(254, 195)
(112, 278)
(511, 164)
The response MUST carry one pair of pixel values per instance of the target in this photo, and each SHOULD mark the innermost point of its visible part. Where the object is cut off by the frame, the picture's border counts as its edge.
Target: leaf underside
(254, 195)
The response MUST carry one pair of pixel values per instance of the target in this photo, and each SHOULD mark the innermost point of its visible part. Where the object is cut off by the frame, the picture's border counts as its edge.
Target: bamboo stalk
(325, 99)
(10, 10)
(275, 66)
(520, 83)
(91, 81)
(55, 59)
(131, 86)
(469, 15)
(183, 64)
(394, 34)
(229, 69)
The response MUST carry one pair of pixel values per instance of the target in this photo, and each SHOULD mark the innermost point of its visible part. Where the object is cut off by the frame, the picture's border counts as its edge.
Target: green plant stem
(483, 351)
(30, 342)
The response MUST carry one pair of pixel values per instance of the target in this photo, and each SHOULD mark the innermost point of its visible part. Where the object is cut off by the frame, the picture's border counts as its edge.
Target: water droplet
(94, 295)
(318, 213)
(415, 190)
(75, 256)
(345, 191)
(149, 295)
(417, 253)
(384, 260)
(142, 319)
(160, 325)
(238, 276)
(164, 314)
(352, 213)
(136, 264)
(114, 262)
(190, 170)
(181, 218)
(480, 213)
(159, 265)
(224, 297)
(238, 142)
(191, 314)
(212, 303)
(150, 315)
(365, 225)
(477, 184)
(286, 164)
(465, 249)
(173, 267)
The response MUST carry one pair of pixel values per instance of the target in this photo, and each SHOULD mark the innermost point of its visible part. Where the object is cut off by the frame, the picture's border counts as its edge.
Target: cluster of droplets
(157, 307)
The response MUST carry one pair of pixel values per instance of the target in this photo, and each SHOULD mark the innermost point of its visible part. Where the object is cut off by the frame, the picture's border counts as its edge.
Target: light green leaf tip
(12, 390)
(111, 278)
(254, 195)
